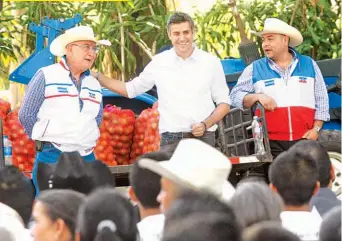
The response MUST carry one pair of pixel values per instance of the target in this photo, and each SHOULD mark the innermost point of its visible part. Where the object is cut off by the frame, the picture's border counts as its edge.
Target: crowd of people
(182, 192)
(176, 194)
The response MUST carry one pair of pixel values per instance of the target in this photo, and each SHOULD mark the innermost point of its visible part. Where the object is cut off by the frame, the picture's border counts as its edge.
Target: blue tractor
(233, 138)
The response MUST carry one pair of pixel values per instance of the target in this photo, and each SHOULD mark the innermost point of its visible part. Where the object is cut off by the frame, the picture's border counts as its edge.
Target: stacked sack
(116, 135)
(146, 135)
(23, 149)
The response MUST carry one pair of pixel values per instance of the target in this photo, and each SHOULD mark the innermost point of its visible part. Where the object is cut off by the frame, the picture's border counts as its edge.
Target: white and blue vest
(60, 120)
(294, 96)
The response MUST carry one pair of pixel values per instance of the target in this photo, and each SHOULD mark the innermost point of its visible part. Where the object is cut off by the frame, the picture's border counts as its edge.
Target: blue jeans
(50, 154)
(169, 138)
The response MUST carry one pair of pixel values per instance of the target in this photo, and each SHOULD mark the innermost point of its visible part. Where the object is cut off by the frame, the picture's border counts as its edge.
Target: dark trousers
(278, 147)
(170, 138)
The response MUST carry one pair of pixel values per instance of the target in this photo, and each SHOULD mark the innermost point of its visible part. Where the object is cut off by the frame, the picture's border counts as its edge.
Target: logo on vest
(302, 80)
(269, 82)
(92, 95)
(62, 90)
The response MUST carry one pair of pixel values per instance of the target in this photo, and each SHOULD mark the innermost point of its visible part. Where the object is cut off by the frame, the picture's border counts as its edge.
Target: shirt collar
(193, 56)
(64, 64)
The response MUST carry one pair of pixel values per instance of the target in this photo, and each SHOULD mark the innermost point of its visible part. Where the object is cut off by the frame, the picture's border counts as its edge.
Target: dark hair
(316, 152)
(255, 202)
(331, 225)
(268, 231)
(203, 227)
(295, 175)
(106, 216)
(146, 184)
(73, 172)
(190, 201)
(62, 204)
(180, 17)
(16, 191)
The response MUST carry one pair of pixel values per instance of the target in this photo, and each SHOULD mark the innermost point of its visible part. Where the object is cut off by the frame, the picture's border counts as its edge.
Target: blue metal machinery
(41, 57)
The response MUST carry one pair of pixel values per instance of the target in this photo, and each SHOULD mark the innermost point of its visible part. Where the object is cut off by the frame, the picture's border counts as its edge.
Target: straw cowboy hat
(274, 25)
(78, 33)
(195, 165)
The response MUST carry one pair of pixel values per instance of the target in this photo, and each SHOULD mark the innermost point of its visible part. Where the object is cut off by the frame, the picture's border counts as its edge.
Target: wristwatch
(317, 128)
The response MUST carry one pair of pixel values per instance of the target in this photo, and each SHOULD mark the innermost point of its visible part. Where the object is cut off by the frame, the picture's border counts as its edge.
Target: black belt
(181, 134)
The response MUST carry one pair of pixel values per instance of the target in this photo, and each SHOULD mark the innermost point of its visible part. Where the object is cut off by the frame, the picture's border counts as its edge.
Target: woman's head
(54, 214)
(254, 202)
(106, 216)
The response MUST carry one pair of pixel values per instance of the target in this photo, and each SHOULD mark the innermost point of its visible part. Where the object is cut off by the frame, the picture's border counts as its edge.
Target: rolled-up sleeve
(34, 98)
(219, 88)
(321, 96)
(243, 87)
(144, 82)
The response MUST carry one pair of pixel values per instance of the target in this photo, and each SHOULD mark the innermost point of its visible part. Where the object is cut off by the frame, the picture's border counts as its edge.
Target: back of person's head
(268, 231)
(146, 184)
(73, 172)
(16, 191)
(317, 152)
(331, 225)
(294, 175)
(191, 202)
(61, 204)
(106, 216)
(254, 202)
(203, 227)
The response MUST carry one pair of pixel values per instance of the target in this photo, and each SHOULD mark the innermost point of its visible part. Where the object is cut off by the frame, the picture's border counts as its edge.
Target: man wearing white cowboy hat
(290, 86)
(62, 108)
(195, 165)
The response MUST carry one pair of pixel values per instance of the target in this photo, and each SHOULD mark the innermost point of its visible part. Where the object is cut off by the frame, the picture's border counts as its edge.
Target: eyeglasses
(87, 48)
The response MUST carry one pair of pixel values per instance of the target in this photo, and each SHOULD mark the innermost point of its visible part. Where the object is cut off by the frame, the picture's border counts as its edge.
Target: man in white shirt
(192, 92)
(294, 175)
(144, 189)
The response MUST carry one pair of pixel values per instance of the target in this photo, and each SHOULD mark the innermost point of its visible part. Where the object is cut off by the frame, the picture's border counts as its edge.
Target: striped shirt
(245, 86)
(34, 98)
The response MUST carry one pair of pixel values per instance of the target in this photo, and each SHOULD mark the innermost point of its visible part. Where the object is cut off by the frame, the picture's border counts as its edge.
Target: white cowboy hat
(274, 25)
(78, 33)
(196, 165)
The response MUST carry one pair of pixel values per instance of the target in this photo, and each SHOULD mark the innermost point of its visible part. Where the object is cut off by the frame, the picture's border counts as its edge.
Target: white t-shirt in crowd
(151, 228)
(304, 224)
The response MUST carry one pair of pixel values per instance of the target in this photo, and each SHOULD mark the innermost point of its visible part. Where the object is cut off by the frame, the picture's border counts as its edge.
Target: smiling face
(182, 37)
(81, 54)
(275, 45)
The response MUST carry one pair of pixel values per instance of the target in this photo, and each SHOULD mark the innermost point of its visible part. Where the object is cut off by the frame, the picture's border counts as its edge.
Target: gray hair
(254, 202)
(180, 17)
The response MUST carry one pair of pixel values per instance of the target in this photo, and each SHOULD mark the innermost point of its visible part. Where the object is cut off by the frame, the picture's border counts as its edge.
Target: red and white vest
(294, 96)
(60, 119)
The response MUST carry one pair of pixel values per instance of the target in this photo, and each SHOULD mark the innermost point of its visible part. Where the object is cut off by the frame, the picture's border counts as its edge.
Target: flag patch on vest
(269, 82)
(62, 90)
(302, 79)
(92, 95)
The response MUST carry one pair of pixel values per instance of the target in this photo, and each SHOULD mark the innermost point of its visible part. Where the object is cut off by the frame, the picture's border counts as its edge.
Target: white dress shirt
(187, 89)
(304, 224)
(151, 228)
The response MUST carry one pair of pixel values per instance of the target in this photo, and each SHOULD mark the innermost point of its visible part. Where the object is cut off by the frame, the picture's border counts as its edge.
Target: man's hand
(311, 135)
(198, 129)
(267, 102)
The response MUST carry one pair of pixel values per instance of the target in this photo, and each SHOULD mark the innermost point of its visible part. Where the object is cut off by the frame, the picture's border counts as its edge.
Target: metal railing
(235, 140)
